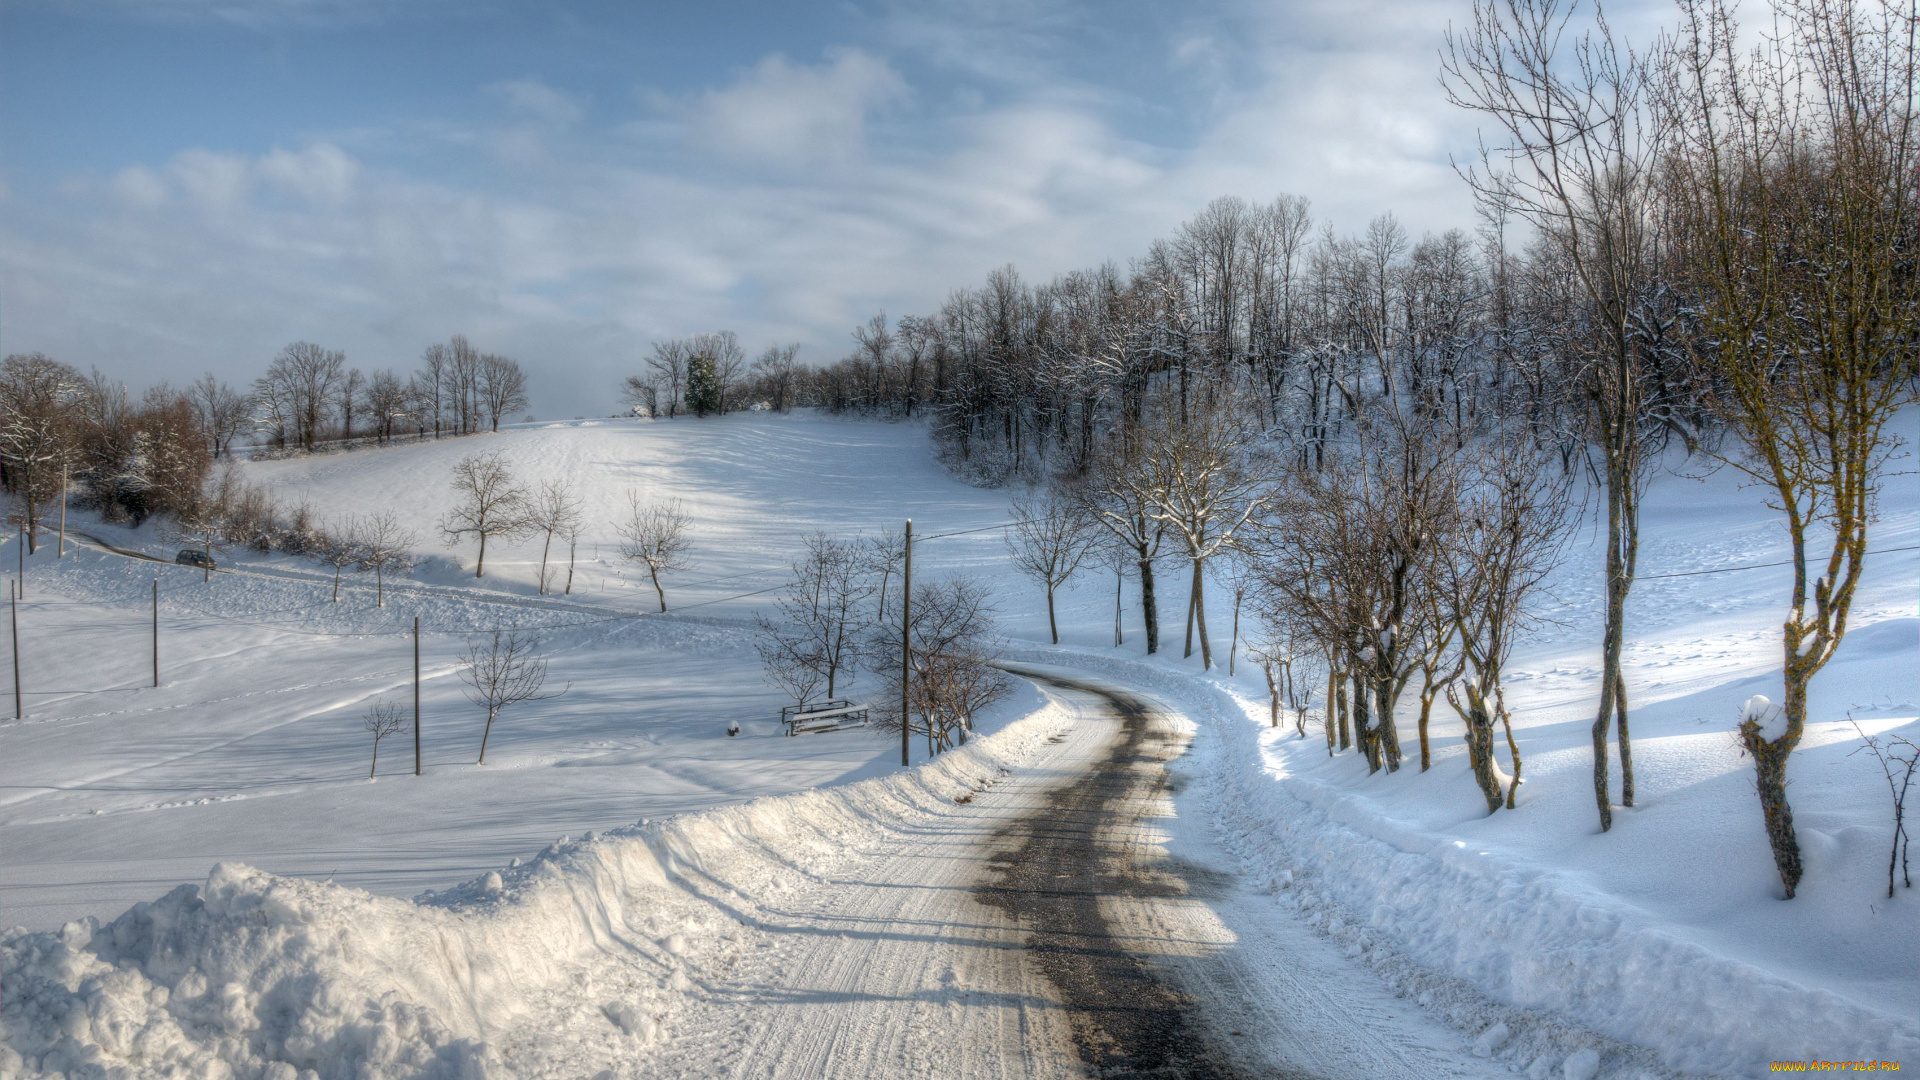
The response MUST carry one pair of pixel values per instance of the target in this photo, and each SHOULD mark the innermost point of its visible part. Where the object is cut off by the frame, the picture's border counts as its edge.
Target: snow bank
(1530, 937)
(254, 975)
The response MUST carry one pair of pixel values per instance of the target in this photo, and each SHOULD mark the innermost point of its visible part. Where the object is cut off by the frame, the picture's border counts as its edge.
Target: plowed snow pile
(565, 965)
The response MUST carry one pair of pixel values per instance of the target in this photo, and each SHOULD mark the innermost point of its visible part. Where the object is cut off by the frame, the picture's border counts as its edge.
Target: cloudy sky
(188, 185)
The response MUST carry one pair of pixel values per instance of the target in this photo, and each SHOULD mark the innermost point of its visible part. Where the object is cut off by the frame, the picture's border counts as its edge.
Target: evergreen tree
(703, 385)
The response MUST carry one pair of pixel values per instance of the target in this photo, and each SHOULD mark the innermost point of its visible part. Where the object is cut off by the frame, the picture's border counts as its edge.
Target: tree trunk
(379, 585)
(1273, 694)
(485, 735)
(376, 759)
(1480, 748)
(336, 583)
(1770, 776)
(1119, 594)
(1233, 646)
(480, 567)
(570, 549)
(1053, 627)
(655, 574)
(1426, 710)
(1333, 692)
(1513, 751)
(1197, 615)
(1626, 743)
(1148, 608)
(544, 548)
(1364, 732)
(1385, 730)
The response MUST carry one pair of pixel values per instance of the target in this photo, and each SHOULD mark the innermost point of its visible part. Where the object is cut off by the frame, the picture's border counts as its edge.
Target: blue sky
(187, 185)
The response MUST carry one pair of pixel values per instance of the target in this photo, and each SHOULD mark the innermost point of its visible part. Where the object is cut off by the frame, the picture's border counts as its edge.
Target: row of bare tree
(1387, 440)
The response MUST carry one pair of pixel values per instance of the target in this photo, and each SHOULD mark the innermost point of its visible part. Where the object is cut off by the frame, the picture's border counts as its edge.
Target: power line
(1761, 565)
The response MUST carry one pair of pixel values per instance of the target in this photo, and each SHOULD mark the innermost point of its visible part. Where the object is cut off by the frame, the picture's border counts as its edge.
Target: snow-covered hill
(252, 749)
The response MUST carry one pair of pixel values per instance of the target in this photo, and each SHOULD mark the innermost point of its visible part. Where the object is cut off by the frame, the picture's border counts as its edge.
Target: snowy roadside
(1409, 904)
(570, 962)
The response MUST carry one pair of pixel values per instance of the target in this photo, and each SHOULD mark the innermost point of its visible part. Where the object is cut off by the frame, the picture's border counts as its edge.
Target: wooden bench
(816, 716)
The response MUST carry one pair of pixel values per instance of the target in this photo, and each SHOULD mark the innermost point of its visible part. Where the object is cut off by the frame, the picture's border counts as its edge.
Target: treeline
(1380, 443)
(309, 395)
(130, 459)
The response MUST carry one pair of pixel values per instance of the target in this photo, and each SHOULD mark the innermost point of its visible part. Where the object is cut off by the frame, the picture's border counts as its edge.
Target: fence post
(416, 695)
(156, 631)
(906, 649)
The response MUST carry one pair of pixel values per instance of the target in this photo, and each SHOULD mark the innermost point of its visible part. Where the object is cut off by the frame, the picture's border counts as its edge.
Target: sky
(189, 185)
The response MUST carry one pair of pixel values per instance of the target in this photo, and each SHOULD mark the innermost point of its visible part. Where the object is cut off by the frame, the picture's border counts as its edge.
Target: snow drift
(254, 975)
(1529, 937)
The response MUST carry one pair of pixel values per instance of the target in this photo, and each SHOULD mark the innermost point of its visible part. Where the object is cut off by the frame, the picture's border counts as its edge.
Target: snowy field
(1667, 932)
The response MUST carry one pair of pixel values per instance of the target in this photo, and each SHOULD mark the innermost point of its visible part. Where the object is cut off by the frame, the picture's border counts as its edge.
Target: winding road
(1043, 927)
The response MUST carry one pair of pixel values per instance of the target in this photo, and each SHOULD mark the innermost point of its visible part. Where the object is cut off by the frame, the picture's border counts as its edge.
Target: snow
(1662, 945)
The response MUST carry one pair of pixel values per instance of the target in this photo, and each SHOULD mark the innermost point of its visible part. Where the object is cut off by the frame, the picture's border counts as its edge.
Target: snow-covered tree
(1052, 535)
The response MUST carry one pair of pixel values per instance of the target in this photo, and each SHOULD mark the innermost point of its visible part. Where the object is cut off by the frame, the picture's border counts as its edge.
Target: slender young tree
(383, 718)
(1052, 535)
(1575, 152)
(386, 547)
(489, 503)
(503, 669)
(554, 510)
(655, 535)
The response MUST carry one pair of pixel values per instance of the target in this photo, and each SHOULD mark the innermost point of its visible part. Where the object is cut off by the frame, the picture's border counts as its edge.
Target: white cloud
(322, 173)
(795, 114)
(531, 99)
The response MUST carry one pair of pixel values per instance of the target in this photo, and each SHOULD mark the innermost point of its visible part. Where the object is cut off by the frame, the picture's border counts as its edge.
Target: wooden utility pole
(156, 631)
(416, 695)
(61, 552)
(906, 649)
(13, 614)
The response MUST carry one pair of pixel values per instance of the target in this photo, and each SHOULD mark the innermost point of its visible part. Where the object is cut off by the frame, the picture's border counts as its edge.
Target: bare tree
(953, 646)
(490, 504)
(387, 401)
(1798, 216)
(1507, 538)
(571, 533)
(301, 385)
(1051, 536)
(222, 412)
(502, 669)
(339, 548)
(383, 718)
(501, 387)
(554, 510)
(669, 365)
(1120, 495)
(638, 392)
(1899, 768)
(777, 372)
(1576, 154)
(1204, 491)
(729, 363)
(655, 533)
(822, 615)
(881, 554)
(386, 547)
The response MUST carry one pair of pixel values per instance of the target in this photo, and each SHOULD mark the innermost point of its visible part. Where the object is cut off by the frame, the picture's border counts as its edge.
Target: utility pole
(156, 631)
(61, 553)
(13, 613)
(906, 649)
(416, 695)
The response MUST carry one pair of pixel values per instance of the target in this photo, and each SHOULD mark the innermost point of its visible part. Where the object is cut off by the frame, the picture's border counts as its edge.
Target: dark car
(195, 557)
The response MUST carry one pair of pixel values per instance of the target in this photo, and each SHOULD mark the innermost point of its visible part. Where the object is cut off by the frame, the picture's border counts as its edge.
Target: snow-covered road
(1043, 928)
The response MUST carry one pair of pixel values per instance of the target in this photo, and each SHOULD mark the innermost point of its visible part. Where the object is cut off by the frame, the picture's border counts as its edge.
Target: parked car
(195, 557)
